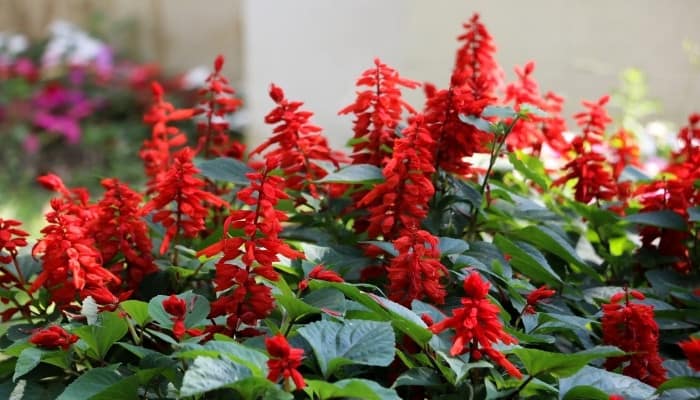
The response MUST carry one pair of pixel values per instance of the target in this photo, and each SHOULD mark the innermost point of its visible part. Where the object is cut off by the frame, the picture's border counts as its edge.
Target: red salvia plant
(53, 337)
(377, 112)
(416, 272)
(531, 134)
(180, 201)
(12, 238)
(401, 201)
(477, 327)
(157, 152)
(284, 361)
(300, 148)
(251, 254)
(476, 57)
(593, 175)
(121, 234)
(216, 101)
(631, 327)
(691, 349)
(71, 263)
(536, 296)
(320, 273)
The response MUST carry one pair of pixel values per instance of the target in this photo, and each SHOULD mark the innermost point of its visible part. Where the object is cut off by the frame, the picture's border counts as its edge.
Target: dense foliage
(470, 248)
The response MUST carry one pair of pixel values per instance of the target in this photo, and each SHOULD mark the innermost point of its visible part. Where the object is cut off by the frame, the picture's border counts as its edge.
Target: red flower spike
(284, 361)
(185, 191)
(632, 328)
(476, 58)
(53, 337)
(477, 326)
(11, 239)
(296, 144)
(378, 112)
(537, 295)
(401, 201)
(121, 234)
(320, 273)
(177, 308)
(416, 272)
(691, 349)
(216, 101)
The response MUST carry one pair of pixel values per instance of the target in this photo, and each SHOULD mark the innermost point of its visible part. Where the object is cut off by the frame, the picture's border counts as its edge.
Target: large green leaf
(680, 382)
(349, 388)
(352, 342)
(137, 310)
(585, 392)
(538, 362)
(224, 169)
(531, 168)
(662, 219)
(110, 327)
(106, 383)
(356, 173)
(400, 317)
(254, 360)
(255, 388)
(28, 359)
(528, 260)
(608, 382)
(206, 374)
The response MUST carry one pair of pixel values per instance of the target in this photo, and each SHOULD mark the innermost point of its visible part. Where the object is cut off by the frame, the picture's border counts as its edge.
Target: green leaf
(527, 108)
(498, 111)
(528, 260)
(662, 219)
(93, 382)
(608, 382)
(224, 169)
(538, 362)
(349, 388)
(28, 359)
(206, 374)
(547, 239)
(100, 337)
(260, 388)
(405, 321)
(694, 214)
(295, 307)
(352, 342)
(680, 382)
(356, 173)
(479, 123)
(252, 359)
(450, 245)
(584, 392)
(531, 168)
(421, 376)
(633, 174)
(137, 310)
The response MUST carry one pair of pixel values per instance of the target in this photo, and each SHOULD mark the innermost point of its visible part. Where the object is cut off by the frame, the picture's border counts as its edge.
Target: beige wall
(315, 49)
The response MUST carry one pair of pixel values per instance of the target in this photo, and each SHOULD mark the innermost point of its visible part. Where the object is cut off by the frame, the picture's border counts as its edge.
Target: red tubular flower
(378, 113)
(415, 273)
(476, 57)
(252, 254)
(299, 145)
(689, 136)
(121, 234)
(180, 186)
(53, 337)
(156, 152)
(537, 295)
(402, 199)
(691, 348)
(625, 151)
(631, 327)
(216, 101)
(477, 326)
(536, 131)
(320, 273)
(11, 239)
(177, 308)
(593, 121)
(284, 361)
(70, 260)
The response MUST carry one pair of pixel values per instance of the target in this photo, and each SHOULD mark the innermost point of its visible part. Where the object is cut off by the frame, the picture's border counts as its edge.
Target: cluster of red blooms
(320, 273)
(11, 239)
(216, 101)
(594, 179)
(477, 327)
(300, 146)
(533, 133)
(625, 151)
(121, 234)
(157, 152)
(53, 337)
(378, 112)
(284, 361)
(180, 186)
(677, 194)
(415, 273)
(537, 295)
(691, 348)
(631, 327)
(242, 299)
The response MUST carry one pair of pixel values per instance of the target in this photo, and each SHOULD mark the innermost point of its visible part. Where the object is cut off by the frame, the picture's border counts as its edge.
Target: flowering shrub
(407, 269)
